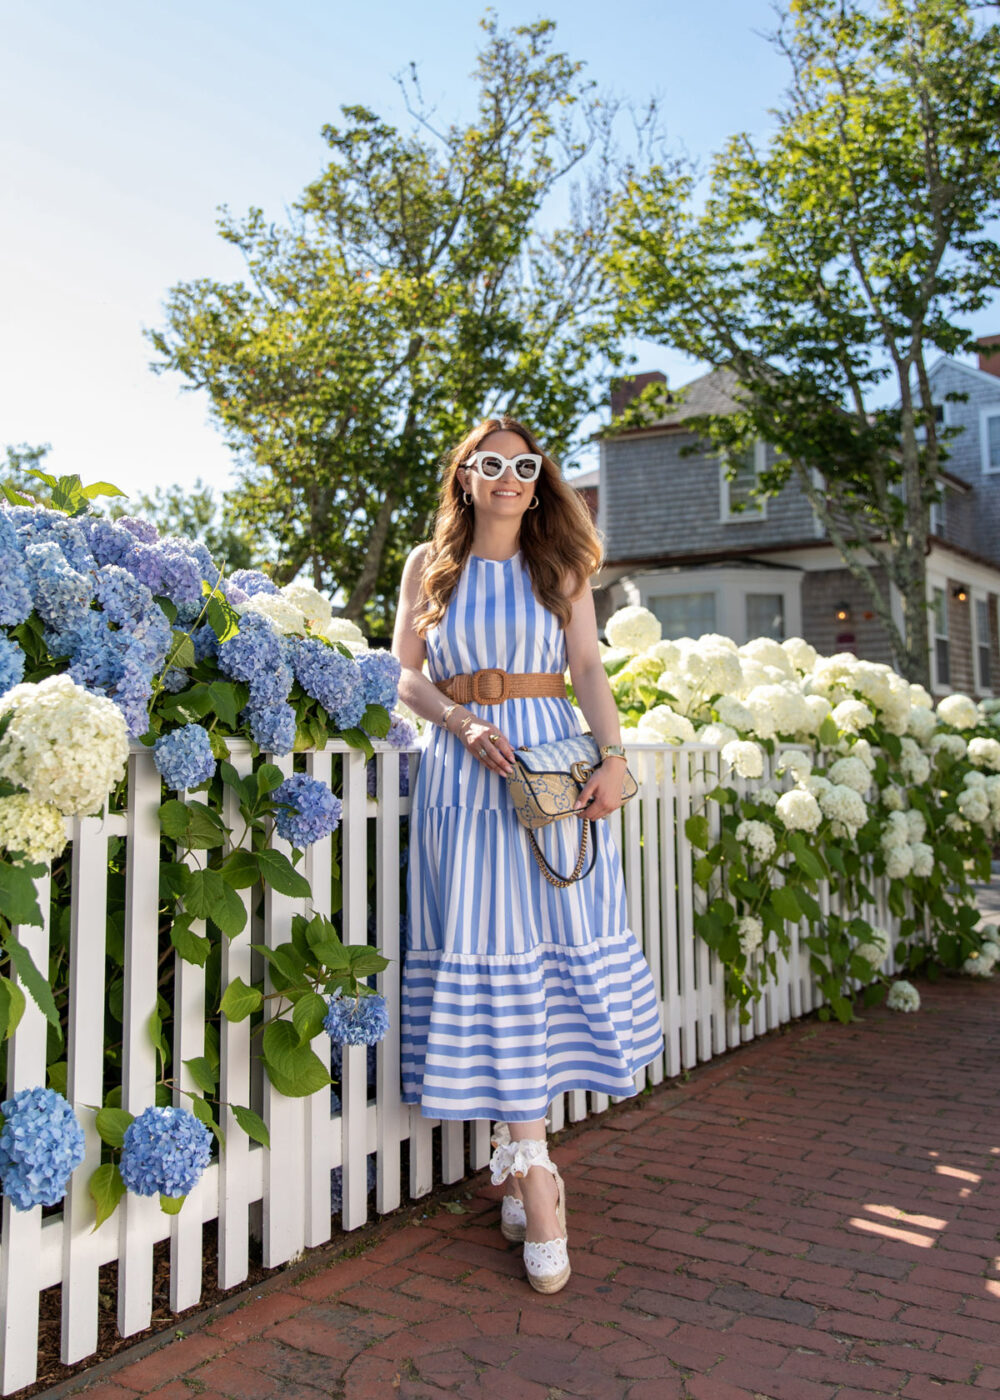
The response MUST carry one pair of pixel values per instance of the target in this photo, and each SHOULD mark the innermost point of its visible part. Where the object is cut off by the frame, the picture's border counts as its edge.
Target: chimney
(989, 354)
(626, 388)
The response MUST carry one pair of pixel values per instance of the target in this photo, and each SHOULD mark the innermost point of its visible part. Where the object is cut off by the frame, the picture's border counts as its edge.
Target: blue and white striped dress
(513, 990)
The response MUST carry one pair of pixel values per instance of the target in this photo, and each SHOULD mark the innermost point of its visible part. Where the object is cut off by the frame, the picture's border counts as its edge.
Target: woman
(514, 990)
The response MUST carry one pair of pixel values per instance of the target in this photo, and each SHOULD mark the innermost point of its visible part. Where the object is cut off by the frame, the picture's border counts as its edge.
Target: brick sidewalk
(815, 1216)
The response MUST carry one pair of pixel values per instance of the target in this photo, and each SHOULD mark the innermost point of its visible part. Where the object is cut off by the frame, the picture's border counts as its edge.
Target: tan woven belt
(491, 685)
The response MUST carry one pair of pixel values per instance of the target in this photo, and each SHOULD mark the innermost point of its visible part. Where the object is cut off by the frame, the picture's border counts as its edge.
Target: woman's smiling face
(506, 497)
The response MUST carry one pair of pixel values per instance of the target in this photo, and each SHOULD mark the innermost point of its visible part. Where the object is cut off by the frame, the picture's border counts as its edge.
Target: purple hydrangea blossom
(184, 757)
(331, 678)
(337, 1182)
(361, 1020)
(15, 592)
(11, 665)
(312, 810)
(272, 727)
(252, 581)
(255, 655)
(143, 530)
(164, 1151)
(380, 673)
(41, 1143)
(41, 526)
(206, 644)
(110, 543)
(62, 594)
(167, 571)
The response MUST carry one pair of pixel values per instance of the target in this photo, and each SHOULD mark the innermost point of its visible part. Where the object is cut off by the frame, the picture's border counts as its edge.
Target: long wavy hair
(558, 541)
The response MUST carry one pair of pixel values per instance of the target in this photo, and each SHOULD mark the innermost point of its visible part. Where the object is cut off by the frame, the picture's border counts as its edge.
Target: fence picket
(667, 764)
(82, 1247)
(138, 1220)
(22, 1230)
(284, 1208)
(390, 1118)
(354, 1073)
(234, 1074)
(318, 1126)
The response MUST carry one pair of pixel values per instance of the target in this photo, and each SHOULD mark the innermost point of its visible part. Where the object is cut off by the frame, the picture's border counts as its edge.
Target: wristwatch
(612, 751)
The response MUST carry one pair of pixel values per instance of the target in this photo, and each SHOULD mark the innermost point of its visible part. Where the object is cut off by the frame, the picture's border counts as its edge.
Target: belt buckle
(477, 694)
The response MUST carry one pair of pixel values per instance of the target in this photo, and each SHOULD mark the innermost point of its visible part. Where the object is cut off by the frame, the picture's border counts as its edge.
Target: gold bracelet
(447, 712)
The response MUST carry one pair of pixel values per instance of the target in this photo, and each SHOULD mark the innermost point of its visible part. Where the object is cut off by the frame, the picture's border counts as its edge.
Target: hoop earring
(467, 498)
(534, 503)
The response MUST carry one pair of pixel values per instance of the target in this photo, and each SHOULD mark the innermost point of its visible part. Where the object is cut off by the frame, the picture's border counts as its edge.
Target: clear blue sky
(124, 125)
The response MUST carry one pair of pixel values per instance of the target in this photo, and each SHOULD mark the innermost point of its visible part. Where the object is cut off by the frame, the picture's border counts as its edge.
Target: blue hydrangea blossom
(252, 581)
(361, 1020)
(184, 756)
(380, 673)
(11, 665)
(313, 811)
(164, 1152)
(272, 727)
(41, 1143)
(331, 678)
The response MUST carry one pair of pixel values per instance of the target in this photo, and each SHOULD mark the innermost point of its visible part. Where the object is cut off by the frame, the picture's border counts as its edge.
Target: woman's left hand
(601, 794)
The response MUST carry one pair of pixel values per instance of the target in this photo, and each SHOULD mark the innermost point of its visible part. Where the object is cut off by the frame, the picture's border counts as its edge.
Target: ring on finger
(493, 738)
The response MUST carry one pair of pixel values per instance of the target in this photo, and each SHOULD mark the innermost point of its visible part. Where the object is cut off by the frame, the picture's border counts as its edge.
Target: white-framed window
(989, 439)
(938, 522)
(684, 614)
(981, 643)
(737, 502)
(939, 623)
(766, 615)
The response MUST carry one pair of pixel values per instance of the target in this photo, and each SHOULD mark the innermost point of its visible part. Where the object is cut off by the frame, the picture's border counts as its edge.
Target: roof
(583, 479)
(713, 392)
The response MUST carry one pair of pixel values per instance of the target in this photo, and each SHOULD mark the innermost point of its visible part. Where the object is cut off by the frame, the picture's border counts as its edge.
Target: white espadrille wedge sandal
(513, 1221)
(546, 1262)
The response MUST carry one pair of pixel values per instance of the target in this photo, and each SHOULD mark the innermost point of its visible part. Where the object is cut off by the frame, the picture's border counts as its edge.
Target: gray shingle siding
(660, 503)
(975, 521)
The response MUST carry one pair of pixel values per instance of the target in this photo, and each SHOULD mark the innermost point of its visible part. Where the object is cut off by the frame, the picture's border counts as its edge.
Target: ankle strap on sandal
(519, 1157)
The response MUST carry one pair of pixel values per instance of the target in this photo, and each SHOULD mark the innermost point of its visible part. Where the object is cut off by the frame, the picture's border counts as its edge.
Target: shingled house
(675, 543)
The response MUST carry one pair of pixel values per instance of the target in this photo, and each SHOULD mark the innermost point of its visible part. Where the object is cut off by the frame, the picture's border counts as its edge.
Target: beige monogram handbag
(544, 784)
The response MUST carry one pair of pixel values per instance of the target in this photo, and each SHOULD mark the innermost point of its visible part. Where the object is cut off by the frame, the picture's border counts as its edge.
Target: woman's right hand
(495, 753)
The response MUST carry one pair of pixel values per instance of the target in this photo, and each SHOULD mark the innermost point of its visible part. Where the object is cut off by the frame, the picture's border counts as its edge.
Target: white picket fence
(281, 1196)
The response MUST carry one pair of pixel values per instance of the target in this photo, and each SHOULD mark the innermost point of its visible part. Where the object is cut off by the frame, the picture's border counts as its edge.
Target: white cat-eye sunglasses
(492, 465)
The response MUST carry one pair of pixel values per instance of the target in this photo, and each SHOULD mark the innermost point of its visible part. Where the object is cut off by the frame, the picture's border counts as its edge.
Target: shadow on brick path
(813, 1216)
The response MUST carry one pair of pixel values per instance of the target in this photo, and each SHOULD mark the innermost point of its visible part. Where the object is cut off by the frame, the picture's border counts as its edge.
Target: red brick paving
(814, 1217)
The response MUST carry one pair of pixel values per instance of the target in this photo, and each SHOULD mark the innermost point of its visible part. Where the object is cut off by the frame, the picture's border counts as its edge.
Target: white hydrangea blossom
(921, 724)
(892, 798)
(283, 616)
(863, 750)
(36, 829)
(852, 716)
(817, 708)
(903, 996)
(978, 966)
(817, 785)
(976, 780)
(955, 823)
(745, 757)
(875, 948)
(985, 753)
(896, 831)
(777, 709)
(751, 934)
(845, 806)
(663, 723)
(974, 805)
(766, 796)
(833, 676)
(951, 744)
(733, 712)
(916, 824)
(717, 734)
(913, 763)
(923, 859)
(851, 772)
(920, 699)
(796, 762)
(899, 861)
(958, 711)
(716, 639)
(668, 654)
(342, 629)
(759, 837)
(799, 810)
(633, 629)
(63, 746)
(767, 652)
(314, 607)
(802, 656)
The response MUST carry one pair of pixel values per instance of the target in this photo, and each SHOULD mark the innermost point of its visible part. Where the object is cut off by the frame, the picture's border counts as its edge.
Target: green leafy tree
(413, 291)
(826, 268)
(18, 468)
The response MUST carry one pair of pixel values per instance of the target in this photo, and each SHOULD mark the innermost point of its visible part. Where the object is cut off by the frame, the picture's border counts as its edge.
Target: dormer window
(737, 501)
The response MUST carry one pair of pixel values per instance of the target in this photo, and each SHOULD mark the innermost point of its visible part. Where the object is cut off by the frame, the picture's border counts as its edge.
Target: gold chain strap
(543, 864)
